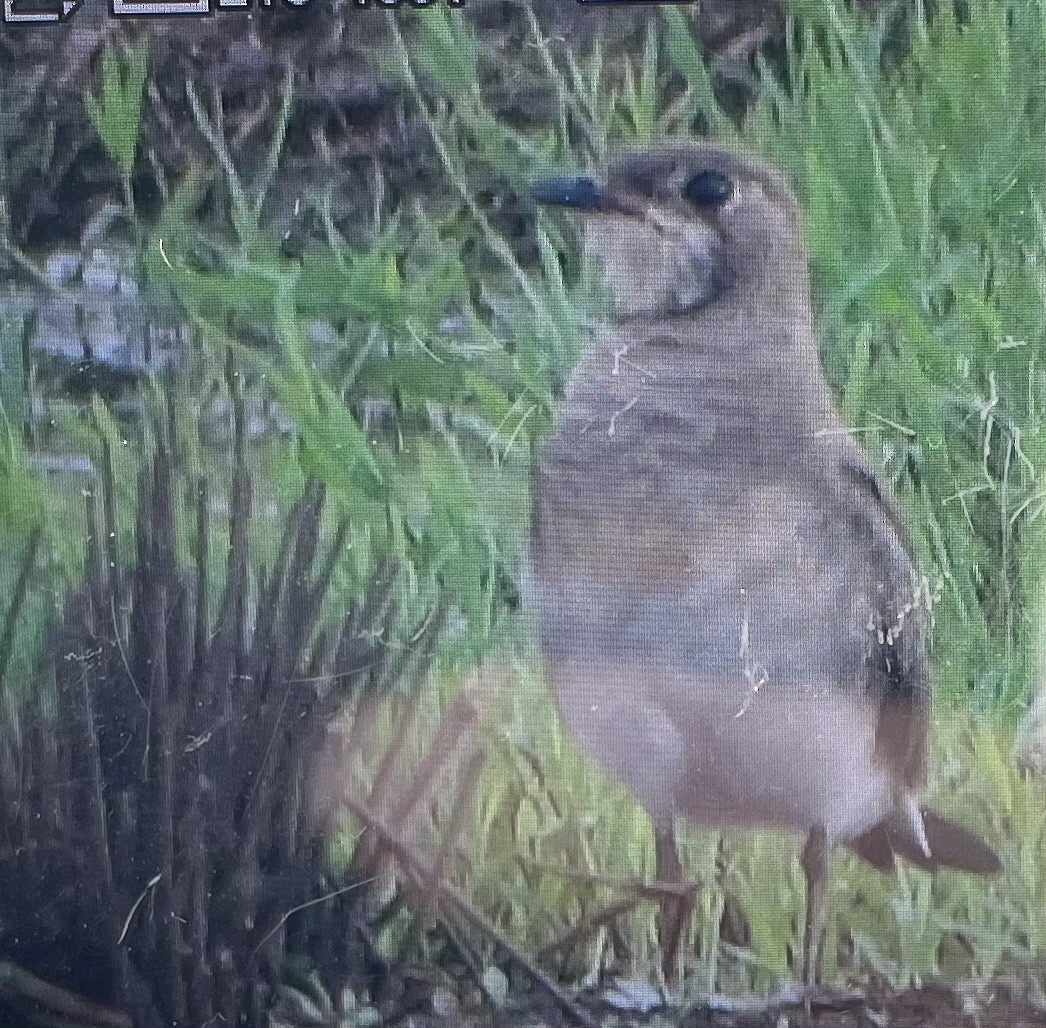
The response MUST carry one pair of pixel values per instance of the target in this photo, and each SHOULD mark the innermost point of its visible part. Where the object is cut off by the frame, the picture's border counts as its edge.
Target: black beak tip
(578, 191)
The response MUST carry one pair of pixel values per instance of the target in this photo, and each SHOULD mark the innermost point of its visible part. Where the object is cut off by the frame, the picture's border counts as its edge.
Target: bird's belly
(731, 753)
(787, 761)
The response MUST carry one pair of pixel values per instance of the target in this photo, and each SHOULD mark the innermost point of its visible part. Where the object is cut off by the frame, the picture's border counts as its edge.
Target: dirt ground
(928, 1007)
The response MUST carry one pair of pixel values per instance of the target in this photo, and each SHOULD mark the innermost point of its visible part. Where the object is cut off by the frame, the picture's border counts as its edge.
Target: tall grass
(917, 144)
(924, 220)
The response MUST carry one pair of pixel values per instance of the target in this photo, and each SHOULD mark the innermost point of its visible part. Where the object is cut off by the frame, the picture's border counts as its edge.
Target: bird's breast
(688, 513)
(656, 449)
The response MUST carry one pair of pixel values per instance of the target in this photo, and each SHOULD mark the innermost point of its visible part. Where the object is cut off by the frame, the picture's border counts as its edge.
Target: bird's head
(679, 228)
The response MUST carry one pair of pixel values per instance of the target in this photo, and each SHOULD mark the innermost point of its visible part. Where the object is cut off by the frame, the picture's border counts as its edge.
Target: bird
(728, 599)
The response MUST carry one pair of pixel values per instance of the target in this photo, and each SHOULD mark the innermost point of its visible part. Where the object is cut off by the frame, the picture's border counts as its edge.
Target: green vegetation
(116, 111)
(918, 145)
(926, 234)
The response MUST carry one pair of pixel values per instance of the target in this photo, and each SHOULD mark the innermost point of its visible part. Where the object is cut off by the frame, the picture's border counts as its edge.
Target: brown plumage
(728, 601)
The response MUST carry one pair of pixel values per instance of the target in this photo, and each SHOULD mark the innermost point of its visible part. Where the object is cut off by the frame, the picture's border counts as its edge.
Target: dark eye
(708, 188)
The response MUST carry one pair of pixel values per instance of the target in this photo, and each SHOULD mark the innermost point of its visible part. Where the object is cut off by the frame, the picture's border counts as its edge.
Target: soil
(927, 1007)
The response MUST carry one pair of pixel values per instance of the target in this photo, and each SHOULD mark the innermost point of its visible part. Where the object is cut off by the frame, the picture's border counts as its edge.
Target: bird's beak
(579, 191)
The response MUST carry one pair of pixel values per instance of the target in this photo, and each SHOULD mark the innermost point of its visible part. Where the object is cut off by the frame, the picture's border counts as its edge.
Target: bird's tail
(929, 841)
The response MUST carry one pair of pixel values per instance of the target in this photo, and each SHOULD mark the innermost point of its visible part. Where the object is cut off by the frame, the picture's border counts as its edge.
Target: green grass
(918, 150)
(919, 184)
(926, 236)
(556, 842)
(920, 192)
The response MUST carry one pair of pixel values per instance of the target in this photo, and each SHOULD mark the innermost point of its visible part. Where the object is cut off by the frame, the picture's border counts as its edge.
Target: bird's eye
(708, 188)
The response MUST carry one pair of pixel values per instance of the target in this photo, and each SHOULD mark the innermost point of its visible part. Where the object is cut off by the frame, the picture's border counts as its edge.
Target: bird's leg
(675, 907)
(815, 864)
(805, 995)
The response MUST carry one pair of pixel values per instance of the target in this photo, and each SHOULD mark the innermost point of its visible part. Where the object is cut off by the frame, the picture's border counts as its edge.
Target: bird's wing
(695, 524)
(883, 544)
(896, 668)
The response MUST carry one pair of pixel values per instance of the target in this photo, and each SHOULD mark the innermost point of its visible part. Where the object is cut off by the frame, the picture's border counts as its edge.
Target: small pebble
(634, 995)
(496, 985)
(61, 268)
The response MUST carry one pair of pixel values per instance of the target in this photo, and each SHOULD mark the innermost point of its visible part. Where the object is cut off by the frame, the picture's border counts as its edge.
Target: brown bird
(729, 607)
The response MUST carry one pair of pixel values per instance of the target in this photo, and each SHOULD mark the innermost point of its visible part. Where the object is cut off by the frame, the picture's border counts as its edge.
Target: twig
(420, 871)
(647, 890)
(588, 926)
(470, 780)
(18, 599)
(58, 1006)
(287, 915)
(40, 277)
(134, 906)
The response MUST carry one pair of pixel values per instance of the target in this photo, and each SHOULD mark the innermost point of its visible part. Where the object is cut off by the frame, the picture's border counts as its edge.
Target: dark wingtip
(580, 191)
(958, 847)
(950, 844)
